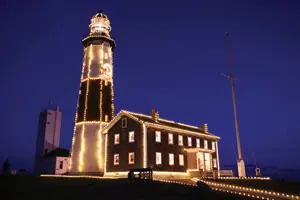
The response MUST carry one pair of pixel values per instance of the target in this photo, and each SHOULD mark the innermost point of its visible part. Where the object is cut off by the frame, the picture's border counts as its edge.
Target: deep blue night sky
(169, 56)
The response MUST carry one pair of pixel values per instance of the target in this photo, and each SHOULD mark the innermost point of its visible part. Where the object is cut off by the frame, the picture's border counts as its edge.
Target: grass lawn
(30, 187)
(271, 185)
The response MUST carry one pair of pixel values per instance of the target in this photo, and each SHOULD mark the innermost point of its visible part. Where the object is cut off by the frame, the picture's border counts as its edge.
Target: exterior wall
(64, 168)
(49, 131)
(165, 149)
(88, 148)
(124, 147)
(51, 165)
(95, 109)
(174, 148)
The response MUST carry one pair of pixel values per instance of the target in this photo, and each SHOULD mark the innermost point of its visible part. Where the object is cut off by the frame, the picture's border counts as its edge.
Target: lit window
(198, 143)
(124, 123)
(157, 136)
(180, 140)
(205, 144)
(171, 159)
(131, 158)
(117, 139)
(131, 136)
(181, 160)
(215, 163)
(105, 55)
(106, 118)
(116, 159)
(170, 138)
(213, 147)
(158, 158)
(189, 141)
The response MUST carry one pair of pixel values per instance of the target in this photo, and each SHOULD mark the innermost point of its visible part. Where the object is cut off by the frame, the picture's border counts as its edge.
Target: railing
(226, 173)
(141, 173)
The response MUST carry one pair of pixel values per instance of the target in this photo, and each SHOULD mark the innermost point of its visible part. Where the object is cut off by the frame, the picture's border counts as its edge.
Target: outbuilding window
(61, 164)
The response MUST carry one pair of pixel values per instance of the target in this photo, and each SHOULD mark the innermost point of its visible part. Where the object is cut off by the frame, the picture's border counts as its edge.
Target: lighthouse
(95, 104)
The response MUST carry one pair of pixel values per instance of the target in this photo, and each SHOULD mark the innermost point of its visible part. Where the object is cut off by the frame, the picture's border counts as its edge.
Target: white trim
(217, 151)
(181, 131)
(145, 164)
(198, 150)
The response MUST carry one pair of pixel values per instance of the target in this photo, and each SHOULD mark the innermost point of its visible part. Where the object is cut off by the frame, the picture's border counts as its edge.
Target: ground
(30, 187)
(281, 186)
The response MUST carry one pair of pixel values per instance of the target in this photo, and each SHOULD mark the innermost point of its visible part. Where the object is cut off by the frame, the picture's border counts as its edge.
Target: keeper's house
(171, 149)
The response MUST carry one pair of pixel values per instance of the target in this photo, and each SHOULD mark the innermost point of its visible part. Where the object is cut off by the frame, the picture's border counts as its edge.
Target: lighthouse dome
(100, 14)
(100, 24)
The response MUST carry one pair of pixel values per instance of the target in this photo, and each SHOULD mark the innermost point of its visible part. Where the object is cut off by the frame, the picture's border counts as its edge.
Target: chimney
(155, 115)
(204, 128)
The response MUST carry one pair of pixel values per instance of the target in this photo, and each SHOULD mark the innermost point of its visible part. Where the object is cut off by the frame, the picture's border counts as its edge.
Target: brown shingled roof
(172, 124)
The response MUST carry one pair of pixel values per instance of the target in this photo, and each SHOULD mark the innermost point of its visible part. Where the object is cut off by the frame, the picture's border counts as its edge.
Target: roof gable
(117, 118)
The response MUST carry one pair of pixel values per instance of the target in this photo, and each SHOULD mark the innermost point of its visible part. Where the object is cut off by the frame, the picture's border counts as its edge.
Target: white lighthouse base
(241, 168)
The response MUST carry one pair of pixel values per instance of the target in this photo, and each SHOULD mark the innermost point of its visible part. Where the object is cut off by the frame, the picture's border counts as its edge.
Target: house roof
(59, 152)
(166, 124)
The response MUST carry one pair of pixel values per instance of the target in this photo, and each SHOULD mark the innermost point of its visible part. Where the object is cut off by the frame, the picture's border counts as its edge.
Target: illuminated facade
(171, 149)
(111, 146)
(95, 106)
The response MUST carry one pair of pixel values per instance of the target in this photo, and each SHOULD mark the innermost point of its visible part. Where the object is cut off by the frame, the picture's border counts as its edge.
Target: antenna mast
(240, 161)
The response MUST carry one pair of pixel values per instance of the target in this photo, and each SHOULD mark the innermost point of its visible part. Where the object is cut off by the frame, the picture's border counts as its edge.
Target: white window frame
(197, 142)
(170, 138)
(205, 144)
(129, 136)
(158, 136)
(158, 158)
(171, 159)
(115, 137)
(181, 159)
(124, 123)
(180, 140)
(116, 161)
(190, 143)
(129, 161)
(213, 145)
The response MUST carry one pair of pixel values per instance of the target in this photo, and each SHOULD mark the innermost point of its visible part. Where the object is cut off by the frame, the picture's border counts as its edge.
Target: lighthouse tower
(95, 105)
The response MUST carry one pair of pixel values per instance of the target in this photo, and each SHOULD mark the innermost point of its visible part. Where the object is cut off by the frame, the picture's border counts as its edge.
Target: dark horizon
(168, 56)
